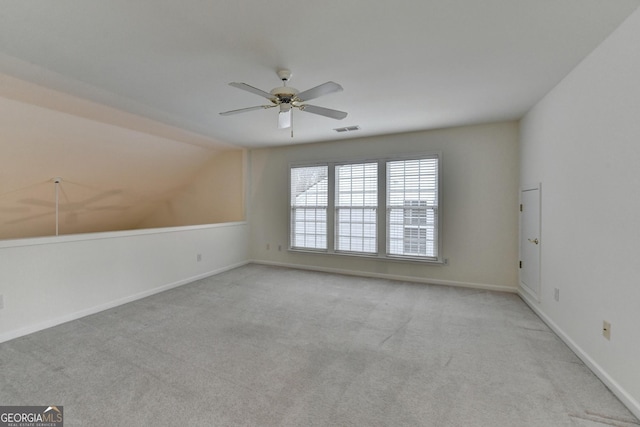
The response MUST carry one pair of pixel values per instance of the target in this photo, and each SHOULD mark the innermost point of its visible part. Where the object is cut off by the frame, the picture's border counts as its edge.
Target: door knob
(533, 241)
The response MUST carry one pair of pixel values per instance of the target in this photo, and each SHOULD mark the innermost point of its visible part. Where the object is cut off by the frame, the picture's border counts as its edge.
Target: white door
(530, 240)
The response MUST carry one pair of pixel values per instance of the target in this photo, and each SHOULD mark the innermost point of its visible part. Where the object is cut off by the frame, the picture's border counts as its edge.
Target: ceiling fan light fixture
(284, 118)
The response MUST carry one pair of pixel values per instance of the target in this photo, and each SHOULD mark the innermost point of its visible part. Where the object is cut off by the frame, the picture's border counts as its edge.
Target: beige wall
(479, 203)
(215, 195)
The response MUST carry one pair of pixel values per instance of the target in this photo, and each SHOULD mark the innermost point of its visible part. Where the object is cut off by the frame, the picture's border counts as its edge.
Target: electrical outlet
(279, 248)
(268, 246)
(606, 329)
(556, 294)
(199, 257)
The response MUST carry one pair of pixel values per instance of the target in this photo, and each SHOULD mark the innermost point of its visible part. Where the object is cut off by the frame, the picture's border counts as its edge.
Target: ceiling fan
(287, 98)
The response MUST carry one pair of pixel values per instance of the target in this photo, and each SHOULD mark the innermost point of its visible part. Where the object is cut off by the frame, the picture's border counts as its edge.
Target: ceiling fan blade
(97, 197)
(107, 208)
(244, 110)
(327, 112)
(252, 89)
(17, 209)
(323, 89)
(29, 218)
(37, 202)
(284, 119)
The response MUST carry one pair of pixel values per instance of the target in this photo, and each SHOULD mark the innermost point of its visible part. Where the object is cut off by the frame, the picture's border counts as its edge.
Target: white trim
(428, 281)
(31, 241)
(531, 187)
(359, 159)
(628, 400)
(247, 176)
(378, 257)
(111, 304)
(529, 292)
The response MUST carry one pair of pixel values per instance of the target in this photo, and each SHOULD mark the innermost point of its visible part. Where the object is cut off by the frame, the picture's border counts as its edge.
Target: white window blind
(356, 204)
(412, 207)
(407, 226)
(309, 198)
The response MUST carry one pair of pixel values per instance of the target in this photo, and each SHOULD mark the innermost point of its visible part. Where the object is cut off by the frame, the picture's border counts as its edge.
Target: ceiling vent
(347, 129)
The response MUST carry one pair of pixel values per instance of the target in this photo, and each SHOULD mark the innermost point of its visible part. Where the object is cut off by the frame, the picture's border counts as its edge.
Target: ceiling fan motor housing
(285, 95)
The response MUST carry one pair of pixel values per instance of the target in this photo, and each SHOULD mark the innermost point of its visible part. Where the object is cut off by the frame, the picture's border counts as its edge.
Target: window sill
(377, 257)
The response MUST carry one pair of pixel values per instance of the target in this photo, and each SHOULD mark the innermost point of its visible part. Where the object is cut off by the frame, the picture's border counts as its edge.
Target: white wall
(47, 281)
(582, 141)
(479, 204)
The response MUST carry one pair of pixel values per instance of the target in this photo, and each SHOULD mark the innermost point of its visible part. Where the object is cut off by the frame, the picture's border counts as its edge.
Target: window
(412, 207)
(356, 207)
(415, 233)
(309, 197)
(407, 226)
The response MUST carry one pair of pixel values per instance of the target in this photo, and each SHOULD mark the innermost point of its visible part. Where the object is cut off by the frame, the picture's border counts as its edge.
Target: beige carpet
(264, 346)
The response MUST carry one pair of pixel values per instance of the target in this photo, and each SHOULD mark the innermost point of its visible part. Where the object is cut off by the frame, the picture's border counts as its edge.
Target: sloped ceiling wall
(116, 169)
(216, 194)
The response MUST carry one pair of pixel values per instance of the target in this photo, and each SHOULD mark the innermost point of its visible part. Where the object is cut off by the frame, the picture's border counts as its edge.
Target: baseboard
(632, 404)
(111, 304)
(483, 286)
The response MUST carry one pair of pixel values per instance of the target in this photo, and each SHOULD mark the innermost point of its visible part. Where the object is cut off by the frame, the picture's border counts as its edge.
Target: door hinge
(520, 207)
(520, 264)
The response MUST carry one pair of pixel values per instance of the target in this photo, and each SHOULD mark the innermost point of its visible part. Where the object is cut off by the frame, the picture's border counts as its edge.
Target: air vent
(347, 129)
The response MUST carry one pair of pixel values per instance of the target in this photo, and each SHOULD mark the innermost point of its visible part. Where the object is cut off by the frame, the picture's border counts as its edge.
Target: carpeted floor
(264, 346)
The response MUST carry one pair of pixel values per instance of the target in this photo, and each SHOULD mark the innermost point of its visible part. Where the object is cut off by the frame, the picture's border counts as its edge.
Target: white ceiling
(404, 65)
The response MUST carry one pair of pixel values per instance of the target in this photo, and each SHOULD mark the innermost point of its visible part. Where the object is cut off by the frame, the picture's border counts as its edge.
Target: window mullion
(331, 210)
(382, 208)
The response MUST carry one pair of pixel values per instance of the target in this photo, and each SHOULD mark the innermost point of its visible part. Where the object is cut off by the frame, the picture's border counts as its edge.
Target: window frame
(337, 207)
(437, 215)
(291, 217)
(381, 210)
